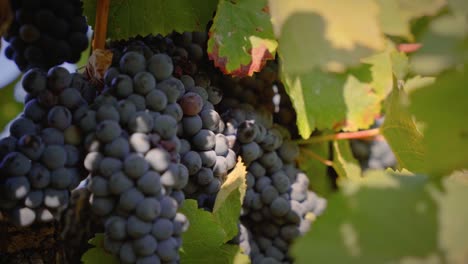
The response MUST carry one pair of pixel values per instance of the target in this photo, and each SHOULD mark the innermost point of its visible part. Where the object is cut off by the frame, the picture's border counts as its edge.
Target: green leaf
(204, 240)
(440, 108)
(380, 219)
(459, 7)
(401, 132)
(444, 45)
(241, 37)
(143, 17)
(9, 107)
(228, 204)
(325, 34)
(453, 238)
(344, 163)
(395, 15)
(97, 254)
(316, 171)
(384, 66)
(331, 101)
(417, 82)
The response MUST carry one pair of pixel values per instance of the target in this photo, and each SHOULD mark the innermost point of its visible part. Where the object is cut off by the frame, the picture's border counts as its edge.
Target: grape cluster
(214, 129)
(207, 153)
(373, 154)
(41, 159)
(277, 206)
(45, 33)
(136, 178)
(263, 90)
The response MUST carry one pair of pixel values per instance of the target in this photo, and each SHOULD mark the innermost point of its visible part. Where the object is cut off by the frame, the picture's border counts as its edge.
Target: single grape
(108, 130)
(23, 216)
(149, 183)
(191, 103)
(168, 207)
(208, 158)
(119, 183)
(279, 207)
(101, 205)
(192, 161)
(168, 250)
(144, 82)
(107, 112)
(109, 165)
(129, 199)
(165, 126)
(92, 161)
(22, 126)
(116, 227)
(34, 81)
(173, 88)
(135, 166)
(55, 198)
(15, 164)
(141, 122)
(126, 109)
(222, 145)
(52, 136)
(156, 100)
(191, 125)
(210, 119)
(181, 224)
(118, 148)
(204, 140)
(99, 186)
(151, 259)
(70, 98)
(34, 199)
(31, 146)
(127, 254)
(34, 111)
(39, 176)
(137, 228)
(148, 209)
(162, 229)
(132, 63)
(160, 65)
(158, 159)
(16, 188)
(145, 246)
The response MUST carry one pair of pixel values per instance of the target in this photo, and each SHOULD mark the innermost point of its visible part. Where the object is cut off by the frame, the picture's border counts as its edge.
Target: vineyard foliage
(343, 64)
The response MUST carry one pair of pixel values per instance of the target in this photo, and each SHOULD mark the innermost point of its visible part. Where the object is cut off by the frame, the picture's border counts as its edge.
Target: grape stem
(100, 28)
(316, 156)
(340, 136)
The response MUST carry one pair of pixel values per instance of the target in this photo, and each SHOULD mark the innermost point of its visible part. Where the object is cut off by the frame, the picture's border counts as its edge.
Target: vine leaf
(439, 108)
(344, 163)
(228, 204)
(395, 15)
(97, 254)
(381, 218)
(241, 37)
(331, 101)
(401, 133)
(204, 240)
(129, 18)
(316, 171)
(385, 65)
(444, 44)
(453, 216)
(323, 34)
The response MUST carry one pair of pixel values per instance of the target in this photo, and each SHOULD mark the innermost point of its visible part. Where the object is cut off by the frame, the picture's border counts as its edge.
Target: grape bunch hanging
(164, 127)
